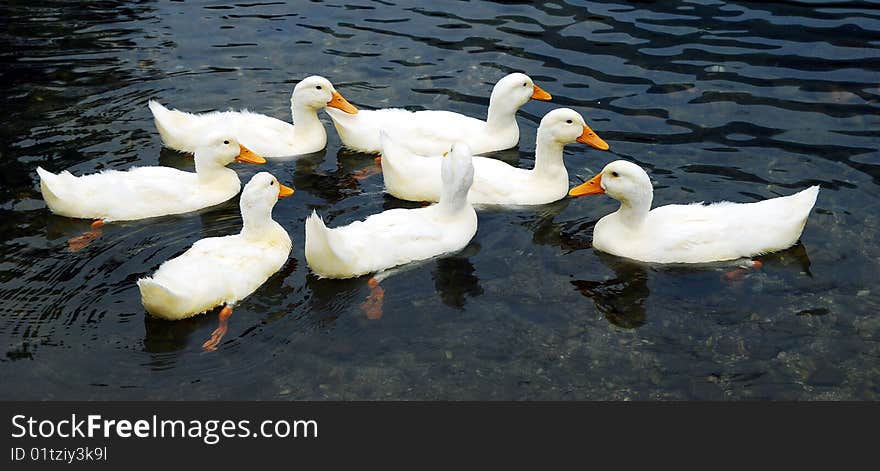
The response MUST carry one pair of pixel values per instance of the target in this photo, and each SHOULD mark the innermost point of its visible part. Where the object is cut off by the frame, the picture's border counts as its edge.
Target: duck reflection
(454, 277)
(796, 256)
(162, 336)
(334, 186)
(622, 300)
(330, 298)
(546, 231)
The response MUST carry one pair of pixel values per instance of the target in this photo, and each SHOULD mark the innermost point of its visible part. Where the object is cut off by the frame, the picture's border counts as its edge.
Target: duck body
(265, 135)
(220, 270)
(139, 193)
(699, 233)
(427, 132)
(431, 131)
(385, 240)
(414, 177)
(214, 271)
(695, 233)
(398, 236)
(144, 192)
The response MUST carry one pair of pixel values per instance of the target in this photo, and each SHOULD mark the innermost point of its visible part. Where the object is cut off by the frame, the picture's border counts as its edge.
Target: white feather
(397, 236)
(414, 177)
(695, 233)
(431, 132)
(265, 135)
(144, 192)
(222, 270)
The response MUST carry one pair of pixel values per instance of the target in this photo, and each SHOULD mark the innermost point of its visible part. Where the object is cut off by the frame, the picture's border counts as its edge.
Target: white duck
(144, 192)
(398, 236)
(267, 136)
(223, 270)
(413, 177)
(694, 233)
(430, 132)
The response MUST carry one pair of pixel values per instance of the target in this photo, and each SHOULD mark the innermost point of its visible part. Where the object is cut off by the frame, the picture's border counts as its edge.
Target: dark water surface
(717, 100)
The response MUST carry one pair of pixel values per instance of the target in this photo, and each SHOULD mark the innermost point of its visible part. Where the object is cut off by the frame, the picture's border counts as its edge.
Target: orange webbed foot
(743, 269)
(220, 331)
(368, 172)
(373, 305)
(83, 240)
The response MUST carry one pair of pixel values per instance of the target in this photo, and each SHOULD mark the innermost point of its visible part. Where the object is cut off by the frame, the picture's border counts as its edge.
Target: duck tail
(171, 124)
(392, 160)
(388, 148)
(793, 215)
(320, 255)
(806, 199)
(52, 187)
(159, 300)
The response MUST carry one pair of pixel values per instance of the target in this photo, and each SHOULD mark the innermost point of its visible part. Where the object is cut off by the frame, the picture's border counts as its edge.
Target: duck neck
(634, 210)
(501, 114)
(257, 221)
(548, 156)
(453, 199)
(209, 170)
(305, 120)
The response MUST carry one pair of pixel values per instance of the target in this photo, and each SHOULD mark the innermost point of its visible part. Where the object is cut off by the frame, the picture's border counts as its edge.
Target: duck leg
(220, 331)
(83, 240)
(741, 271)
(368, 172)
(373, 305)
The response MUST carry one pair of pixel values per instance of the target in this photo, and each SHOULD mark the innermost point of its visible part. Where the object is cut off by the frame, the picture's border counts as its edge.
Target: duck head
(624, 181)
(260, 195)
(516, 90)
(457, 174)
(565, 126)
(316, 92)
(220, 151)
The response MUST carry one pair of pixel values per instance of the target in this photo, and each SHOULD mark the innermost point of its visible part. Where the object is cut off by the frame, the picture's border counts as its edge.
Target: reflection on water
(717, 100)
(455, 278)
(161, 336)
(622, 299)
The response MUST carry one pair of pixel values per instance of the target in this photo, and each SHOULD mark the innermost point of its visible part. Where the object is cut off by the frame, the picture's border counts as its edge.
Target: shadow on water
(162, 336)
(329, 299)
(622, 299)
(455, 278)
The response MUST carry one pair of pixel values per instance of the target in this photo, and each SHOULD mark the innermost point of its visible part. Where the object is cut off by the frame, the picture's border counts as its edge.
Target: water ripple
(718, 100)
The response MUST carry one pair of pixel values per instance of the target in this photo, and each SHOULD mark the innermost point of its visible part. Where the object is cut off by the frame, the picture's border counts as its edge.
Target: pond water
(717, 100)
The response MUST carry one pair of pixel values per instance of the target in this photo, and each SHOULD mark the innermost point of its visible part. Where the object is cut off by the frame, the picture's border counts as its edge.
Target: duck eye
(615, 174)
(568, 121)
(272, 183)
(318, 87)
(525, 85)
(226, 142)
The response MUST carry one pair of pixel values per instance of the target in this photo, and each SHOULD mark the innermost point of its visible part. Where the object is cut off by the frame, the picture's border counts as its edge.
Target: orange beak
(592, 187)
(248, 156)
(590, 138)
(341, 104)
(540, 94)
(284, 190)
